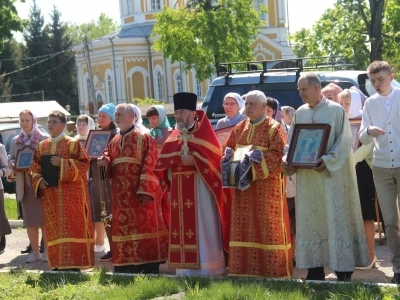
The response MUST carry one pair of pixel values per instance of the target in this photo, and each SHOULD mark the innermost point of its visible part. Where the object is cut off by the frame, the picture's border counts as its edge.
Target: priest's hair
(127, 107)
(259, 95)
(311, 78)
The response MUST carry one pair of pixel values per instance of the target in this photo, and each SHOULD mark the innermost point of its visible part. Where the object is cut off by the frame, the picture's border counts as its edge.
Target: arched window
(155, 4)
(89, 90)
(263, 15)
(99, 98)
(198, 88)
(129, 7)
(160, 86)
(179, 83)
(110, 89)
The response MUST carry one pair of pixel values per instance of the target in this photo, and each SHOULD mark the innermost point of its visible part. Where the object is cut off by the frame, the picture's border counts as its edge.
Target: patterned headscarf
(163, 122)
(32, 137)
(277, 114)
(139, 122)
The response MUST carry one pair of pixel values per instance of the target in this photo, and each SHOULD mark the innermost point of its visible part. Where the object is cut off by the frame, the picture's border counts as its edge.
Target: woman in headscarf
(138, 119)
(5, 228)
(105, 120)
(352, 102)
(233, 106)
(331, 92)
(32, 208)
(159, 123)
(273, 109)
(84, 124)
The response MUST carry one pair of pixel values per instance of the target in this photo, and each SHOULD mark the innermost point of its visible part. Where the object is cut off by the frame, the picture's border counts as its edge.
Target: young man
(381, 125)
(66, 206)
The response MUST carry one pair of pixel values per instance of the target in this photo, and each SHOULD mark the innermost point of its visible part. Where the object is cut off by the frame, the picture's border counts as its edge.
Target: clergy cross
(184, 136)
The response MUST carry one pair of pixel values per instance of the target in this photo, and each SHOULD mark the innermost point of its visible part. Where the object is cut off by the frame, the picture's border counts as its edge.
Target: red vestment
(139, 235)
(260, 232)
(206, 152)
(67, 211)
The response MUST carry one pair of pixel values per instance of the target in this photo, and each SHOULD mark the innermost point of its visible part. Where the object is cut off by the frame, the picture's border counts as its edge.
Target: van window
(286, 93)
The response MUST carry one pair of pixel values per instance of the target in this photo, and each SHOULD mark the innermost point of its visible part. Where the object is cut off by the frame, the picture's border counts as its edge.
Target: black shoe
(316, 274)
(28, 249)
(106, 257)
(396, 278)
(343, 276)
(3, 243)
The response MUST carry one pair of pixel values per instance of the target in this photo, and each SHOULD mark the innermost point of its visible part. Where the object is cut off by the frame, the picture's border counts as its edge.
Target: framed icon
(24, 159)
(97, 142)
(308, 144)
(223, 134)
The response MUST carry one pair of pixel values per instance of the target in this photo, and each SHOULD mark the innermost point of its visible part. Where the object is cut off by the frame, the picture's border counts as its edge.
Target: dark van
(279, 82)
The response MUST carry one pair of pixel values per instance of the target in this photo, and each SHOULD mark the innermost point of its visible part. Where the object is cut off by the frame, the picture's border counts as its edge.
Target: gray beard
(181, 126)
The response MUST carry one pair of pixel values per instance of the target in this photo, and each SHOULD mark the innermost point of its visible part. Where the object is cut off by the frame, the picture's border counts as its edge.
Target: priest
(190, 165)
(259, 243)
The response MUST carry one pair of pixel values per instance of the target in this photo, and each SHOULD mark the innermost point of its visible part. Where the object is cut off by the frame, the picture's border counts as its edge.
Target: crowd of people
(239, 208)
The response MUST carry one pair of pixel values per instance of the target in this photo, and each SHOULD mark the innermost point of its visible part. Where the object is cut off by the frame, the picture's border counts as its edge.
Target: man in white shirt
(381, 125)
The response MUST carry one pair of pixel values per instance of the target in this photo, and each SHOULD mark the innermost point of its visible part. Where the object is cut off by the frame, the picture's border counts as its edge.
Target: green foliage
(10, 207)
(356, 29)
(202, 35)
(9, 20)
(94, 29)
(145, 101)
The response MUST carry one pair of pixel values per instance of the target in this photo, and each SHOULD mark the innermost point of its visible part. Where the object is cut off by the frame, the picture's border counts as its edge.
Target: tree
(62, 81)
(361, 31)
(207, 32)
(36, 37)
(102, 26)
(5, 89)
(9, 20)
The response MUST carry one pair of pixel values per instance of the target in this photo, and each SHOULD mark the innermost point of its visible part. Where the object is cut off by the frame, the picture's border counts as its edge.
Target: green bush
(145, 101)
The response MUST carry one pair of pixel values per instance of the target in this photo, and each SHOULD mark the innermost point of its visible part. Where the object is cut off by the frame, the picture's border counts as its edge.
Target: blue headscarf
(162, 122)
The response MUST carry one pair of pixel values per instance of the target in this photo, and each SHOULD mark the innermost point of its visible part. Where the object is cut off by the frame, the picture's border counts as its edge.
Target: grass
(24, 285)
(10, 205)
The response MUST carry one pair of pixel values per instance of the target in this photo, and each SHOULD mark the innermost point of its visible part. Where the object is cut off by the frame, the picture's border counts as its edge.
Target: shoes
(370, 266)
(33, 257)
(98, 248)
(44, 256)
(28, 249)
(106, 257)
(396, 278)
(316, 274)
(343, 276)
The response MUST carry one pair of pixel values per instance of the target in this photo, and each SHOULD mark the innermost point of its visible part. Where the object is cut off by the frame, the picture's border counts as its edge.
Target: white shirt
(387, 101)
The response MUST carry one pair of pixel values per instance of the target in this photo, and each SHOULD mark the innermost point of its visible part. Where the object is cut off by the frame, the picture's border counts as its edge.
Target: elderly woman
(159, 123)
(331, 92)
(84, 124)
(352, 102)
(4, 171)
(233, 105)
(32, 208)
(138, 119)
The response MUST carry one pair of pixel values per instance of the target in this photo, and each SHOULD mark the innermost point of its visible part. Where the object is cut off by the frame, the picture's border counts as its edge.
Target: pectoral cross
(184, 136)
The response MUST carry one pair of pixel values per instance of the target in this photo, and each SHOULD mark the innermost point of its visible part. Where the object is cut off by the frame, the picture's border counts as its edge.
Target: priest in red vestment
(139, 234)
(67, 211)
(189, 163)
(259, 243)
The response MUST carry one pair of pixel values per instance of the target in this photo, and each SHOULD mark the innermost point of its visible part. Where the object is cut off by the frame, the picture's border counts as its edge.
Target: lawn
(24, 285)
(10, 206)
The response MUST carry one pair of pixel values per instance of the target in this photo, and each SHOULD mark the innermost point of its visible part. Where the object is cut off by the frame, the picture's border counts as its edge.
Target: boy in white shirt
(381, 125)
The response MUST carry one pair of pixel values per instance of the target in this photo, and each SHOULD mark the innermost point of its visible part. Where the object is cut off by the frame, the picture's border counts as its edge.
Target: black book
(50, 173)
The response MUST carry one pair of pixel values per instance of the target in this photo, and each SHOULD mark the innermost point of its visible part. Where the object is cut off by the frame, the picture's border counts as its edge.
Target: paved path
(18, 240)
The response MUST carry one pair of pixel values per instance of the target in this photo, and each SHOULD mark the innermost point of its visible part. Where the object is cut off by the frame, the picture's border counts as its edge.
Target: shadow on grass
(52, 281)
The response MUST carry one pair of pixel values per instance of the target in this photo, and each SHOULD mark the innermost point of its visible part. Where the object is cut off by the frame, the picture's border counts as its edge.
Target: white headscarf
(238, 98)
(91, 126)
(355, 109)
(139, 122)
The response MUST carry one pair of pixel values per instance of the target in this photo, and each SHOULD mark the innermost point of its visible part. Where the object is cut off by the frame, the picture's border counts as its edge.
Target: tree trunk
(375, 31)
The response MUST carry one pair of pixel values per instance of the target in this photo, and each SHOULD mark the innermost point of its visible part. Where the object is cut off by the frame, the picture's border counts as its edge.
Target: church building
(124, 66)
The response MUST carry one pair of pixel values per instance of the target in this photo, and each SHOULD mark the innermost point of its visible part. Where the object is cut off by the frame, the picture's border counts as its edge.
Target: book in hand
(50, 172)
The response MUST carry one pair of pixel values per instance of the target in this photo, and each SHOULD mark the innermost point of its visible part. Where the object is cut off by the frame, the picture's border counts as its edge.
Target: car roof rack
(296, 65)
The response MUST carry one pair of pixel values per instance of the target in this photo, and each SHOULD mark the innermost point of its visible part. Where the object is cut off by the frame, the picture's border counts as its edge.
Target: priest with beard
(189, 164)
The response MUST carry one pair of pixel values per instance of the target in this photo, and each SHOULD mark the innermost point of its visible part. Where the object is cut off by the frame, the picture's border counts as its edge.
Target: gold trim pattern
(68, 240)
(259, 246)
(149, 178)
(137, 237)
(120, 160)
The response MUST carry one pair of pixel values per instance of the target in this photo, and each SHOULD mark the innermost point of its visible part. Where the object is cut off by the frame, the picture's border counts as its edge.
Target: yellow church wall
(138, 85)
(272, 35)
(143, 5)
(204, 88)
(271, 13)
(129, 20)
(277, 54)
(136, 62)
(150, 17)
(190, 82)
